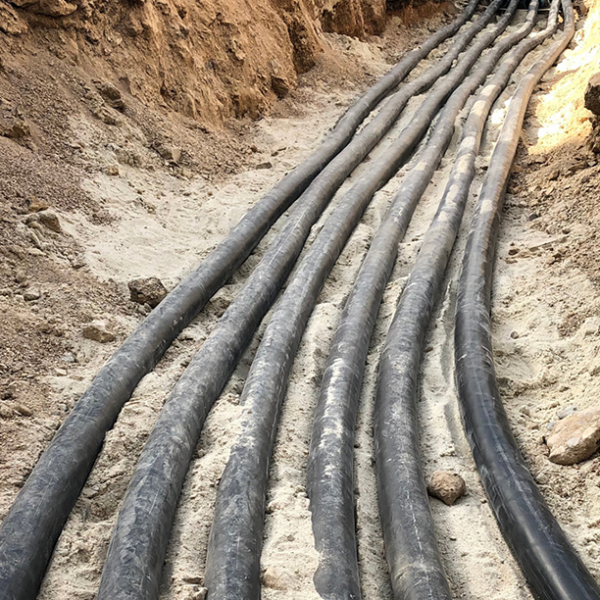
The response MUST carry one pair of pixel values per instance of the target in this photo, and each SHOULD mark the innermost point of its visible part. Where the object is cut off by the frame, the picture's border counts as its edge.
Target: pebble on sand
(98, 331)
(147, 290)
(575, 438)
(446, 486)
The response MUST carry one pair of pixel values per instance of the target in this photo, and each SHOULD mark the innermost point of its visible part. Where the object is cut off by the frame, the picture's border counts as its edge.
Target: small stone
(575, 438)
(30, 295)
(170, 153)
(264, 165)
(281, 86)
(446, 486)
(275, 578)
(112, 170)
(566, 412)
(23, 410)
(36, 205)
(97, 331)
(196, 579)
(199, 594)
(105, 115)
(147, 290)
(49, 219)
(514, 335)
(60, 372)
(77, 262)
(592, 94)
(112, 95)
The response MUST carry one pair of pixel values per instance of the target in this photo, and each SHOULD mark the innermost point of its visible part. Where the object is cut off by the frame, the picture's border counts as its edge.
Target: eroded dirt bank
(209, 60)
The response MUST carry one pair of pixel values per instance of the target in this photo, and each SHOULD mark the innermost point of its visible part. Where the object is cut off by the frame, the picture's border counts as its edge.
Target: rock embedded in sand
(195, 579)
(49, 219)
(36, 205)
(575, 438)
(281, 86)
(275, 578)
(264, 165)
(446, 486)
(45, 217)
(77, 262)
(31, 295)
(23, 410)
(592, 94)
(98, 331)
(170, 153)
(147, 290)
(112, 95)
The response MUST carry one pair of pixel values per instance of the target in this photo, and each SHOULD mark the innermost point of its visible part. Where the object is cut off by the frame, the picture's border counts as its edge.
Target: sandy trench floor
(177, 222)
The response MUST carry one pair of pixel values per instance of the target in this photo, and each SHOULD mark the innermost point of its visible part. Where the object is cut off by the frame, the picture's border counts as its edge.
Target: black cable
(550, 564)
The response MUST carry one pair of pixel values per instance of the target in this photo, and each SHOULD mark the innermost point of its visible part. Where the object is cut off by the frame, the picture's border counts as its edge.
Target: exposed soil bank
(207, 60)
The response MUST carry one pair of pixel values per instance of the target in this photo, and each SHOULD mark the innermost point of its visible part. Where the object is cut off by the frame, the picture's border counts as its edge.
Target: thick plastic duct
(236, 539)
(31, 529)
(411, 550)
(549, 562)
